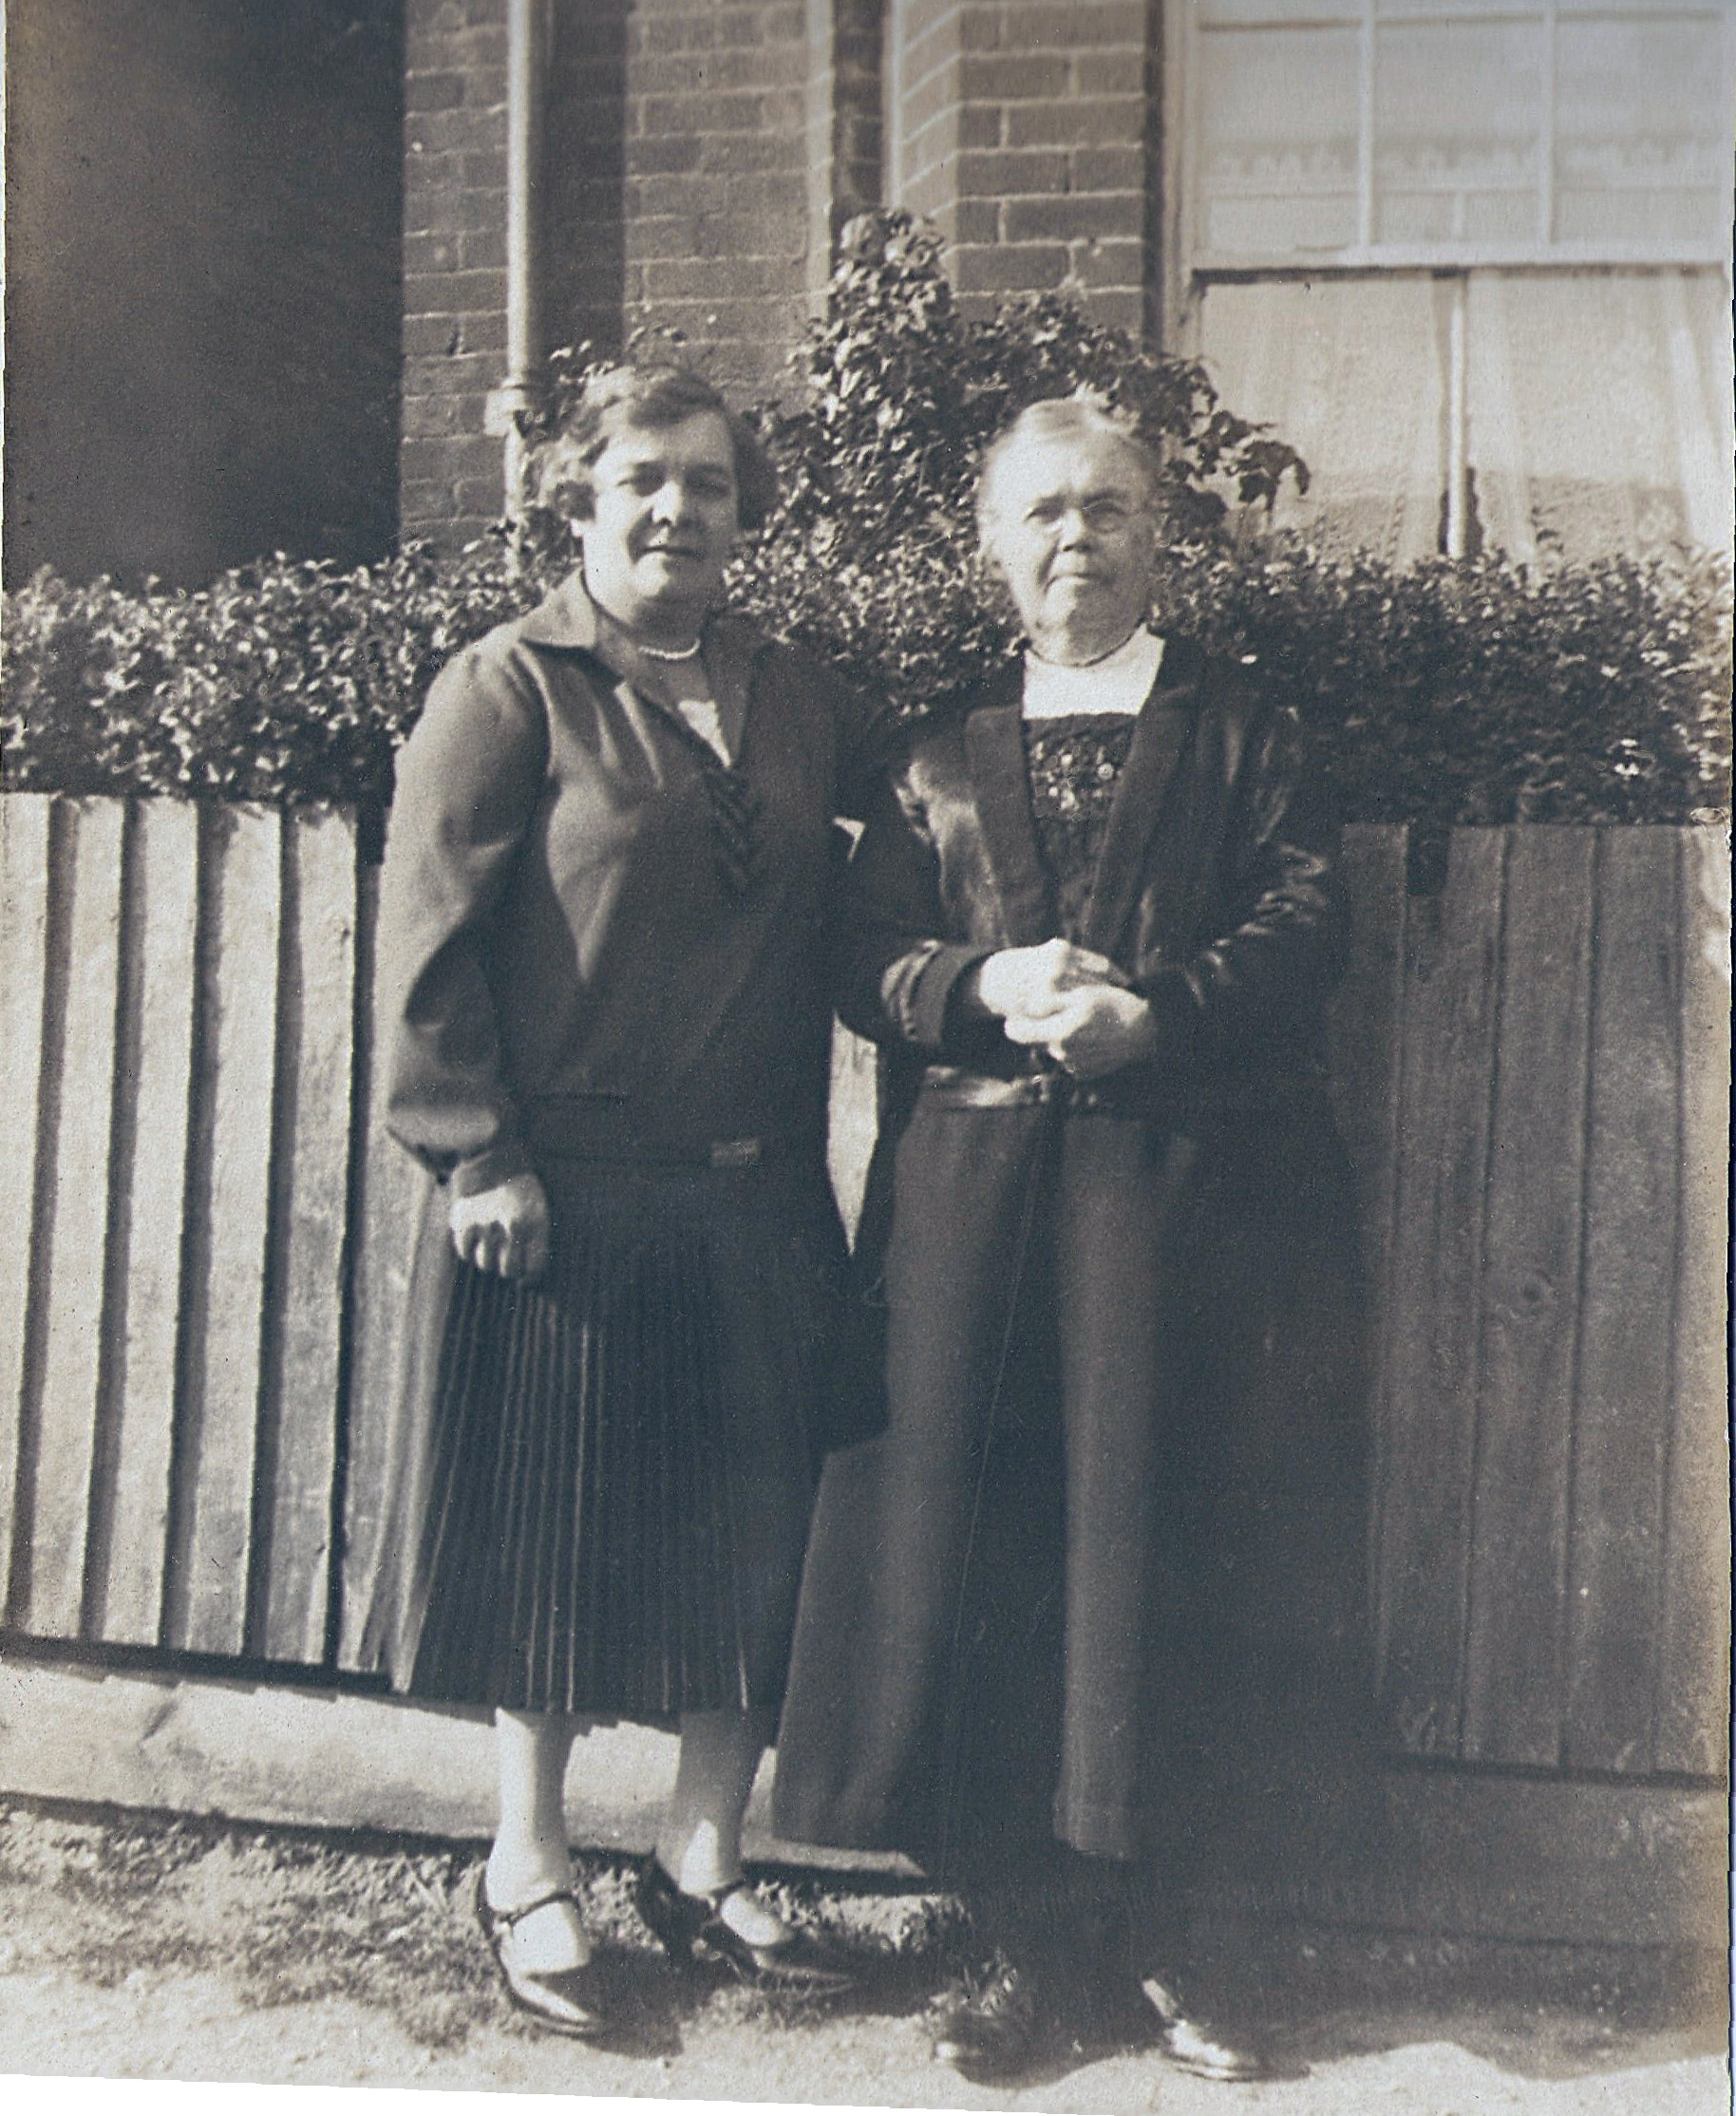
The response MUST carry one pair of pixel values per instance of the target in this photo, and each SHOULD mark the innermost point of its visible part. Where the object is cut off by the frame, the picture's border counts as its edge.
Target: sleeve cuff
(931, 1011)
(498, 1164)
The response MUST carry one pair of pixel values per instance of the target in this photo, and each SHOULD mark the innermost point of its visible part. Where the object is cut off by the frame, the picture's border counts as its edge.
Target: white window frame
(1183, 126)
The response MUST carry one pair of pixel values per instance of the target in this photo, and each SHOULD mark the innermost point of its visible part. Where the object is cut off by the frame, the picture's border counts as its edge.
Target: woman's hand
(1028, 983)
(1091, 1031)
(504, 1230)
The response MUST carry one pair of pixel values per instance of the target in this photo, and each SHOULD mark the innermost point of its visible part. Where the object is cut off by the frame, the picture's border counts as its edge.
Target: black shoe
(692, 1926)
(989, 2027)
(1190, 2045)
(565, 2001)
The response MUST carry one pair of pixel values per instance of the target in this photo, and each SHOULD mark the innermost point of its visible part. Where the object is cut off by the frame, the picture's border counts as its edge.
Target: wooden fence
(201, 1281)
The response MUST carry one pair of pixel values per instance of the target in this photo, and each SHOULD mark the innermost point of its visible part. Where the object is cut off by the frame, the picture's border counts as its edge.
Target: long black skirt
(602, 1482)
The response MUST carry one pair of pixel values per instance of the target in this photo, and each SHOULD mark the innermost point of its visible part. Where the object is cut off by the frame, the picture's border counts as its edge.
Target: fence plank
(1620, 1426)
(88, 868)
(1446, 1053)
(25, 826)
(1693, 1671)
(239, 917)
(1528, 1304)
(157, 1079)
(315, 1117)
(388, 1210)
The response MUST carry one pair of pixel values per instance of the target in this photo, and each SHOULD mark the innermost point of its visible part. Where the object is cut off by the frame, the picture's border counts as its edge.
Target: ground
(155, 1947)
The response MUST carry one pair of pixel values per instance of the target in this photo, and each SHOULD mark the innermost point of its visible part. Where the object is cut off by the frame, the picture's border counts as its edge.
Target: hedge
(1468, 691)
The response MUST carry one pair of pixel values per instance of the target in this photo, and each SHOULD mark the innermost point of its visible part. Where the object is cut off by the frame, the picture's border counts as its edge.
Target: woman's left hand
(1095, 1030)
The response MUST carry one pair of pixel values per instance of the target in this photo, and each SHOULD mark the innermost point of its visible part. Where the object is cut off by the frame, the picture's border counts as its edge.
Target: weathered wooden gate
(201, 1280)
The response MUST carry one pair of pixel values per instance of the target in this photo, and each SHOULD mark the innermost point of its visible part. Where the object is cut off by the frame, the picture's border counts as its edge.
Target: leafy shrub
(285, 682)
(1470, 692)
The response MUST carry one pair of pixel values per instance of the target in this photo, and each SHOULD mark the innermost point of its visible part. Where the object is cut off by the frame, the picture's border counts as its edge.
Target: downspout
(521, 392)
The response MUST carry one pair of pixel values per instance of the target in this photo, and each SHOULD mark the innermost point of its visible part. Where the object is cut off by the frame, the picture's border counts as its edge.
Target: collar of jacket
(567, 617)
(994, 745)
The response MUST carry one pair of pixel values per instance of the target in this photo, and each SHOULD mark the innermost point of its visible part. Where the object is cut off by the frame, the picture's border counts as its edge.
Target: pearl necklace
(665, 654)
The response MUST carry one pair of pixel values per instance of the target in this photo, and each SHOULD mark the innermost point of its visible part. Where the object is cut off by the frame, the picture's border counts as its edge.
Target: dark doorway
(203, 210)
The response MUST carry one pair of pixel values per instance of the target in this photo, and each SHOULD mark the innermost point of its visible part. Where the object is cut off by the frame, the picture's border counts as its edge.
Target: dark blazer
(1214, 891)
(562, 954)
(1121, 1261)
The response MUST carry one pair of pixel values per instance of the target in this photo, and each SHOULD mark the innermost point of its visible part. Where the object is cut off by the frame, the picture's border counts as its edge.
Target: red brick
(731, 111)
(1007, 175)
(742, 193)
(465, 455)
(423, 253)
(486, 172)
(726, 234)
(1120, 308)
(442, 132)
(1073, 218)
(674, 235)
(676, 154)
(433, 91)
(1110, 73)
(981, 28)
(455, 292)
(980, 126)
(716, 319)
(481, 48)
(447, 376)
(483, 330)
(706, 73)
(1109, 263)
(1095, 121)
(713, 278)
(783, 144)
(479, 209)
(1002, 78)
(1109, 168)
(484, 496)
(431, 335)
(1009, 267)
(1029, 24)
(424, 417)
(483, 250)
(976, 220)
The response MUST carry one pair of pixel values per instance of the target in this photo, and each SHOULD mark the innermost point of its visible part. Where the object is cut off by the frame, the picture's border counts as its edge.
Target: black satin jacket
(1214, 891)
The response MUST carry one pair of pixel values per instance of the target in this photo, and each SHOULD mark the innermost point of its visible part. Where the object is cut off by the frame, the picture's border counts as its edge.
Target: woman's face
(1068, 523)
(663, 521)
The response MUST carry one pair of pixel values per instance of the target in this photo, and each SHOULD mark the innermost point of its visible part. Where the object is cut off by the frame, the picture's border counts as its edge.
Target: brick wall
(1025, 131)
(701, 155)
(454, 263)
(716, 195)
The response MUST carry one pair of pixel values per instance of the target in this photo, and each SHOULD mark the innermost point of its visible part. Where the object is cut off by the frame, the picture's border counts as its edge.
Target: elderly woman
(606, 1035)
(1091, 925)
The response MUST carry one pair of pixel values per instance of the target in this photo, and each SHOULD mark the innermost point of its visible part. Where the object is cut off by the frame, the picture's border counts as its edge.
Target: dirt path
(170, 1950)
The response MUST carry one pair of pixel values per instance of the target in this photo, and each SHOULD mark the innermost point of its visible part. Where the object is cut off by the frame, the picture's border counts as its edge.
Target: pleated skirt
(604, 1479)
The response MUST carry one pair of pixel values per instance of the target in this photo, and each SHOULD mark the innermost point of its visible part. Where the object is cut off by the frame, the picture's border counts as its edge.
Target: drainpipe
(521, 390)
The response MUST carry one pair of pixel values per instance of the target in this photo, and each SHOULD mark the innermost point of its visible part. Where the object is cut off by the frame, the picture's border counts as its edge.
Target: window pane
(1642, 138)
(1457, 116)
(1277, 139)
(1212, 12)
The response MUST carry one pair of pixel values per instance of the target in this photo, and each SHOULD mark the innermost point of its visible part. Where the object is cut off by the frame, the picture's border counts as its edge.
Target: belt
(581, 1127)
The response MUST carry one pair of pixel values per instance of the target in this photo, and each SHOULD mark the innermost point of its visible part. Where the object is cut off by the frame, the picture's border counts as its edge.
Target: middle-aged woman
(1093, 922)
(605, 1034)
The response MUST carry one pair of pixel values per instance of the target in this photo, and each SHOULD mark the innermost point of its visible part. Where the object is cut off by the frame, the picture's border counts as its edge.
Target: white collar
(1121, 682)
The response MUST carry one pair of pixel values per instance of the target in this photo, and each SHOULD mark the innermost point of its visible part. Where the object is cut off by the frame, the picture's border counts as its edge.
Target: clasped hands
(1072, 1002)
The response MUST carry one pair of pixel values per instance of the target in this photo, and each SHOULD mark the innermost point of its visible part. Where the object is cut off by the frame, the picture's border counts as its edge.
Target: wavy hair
(645, 396)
